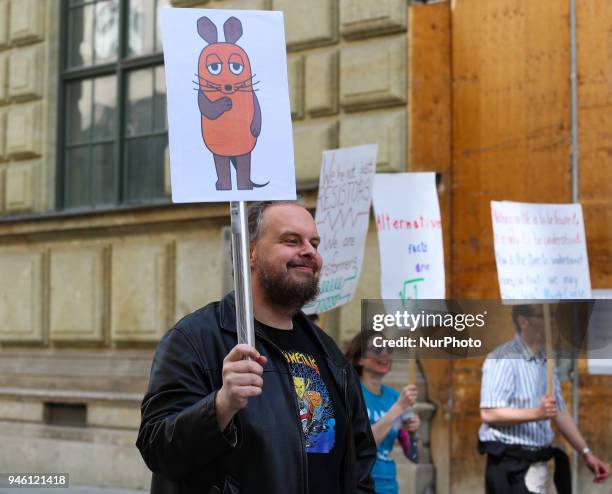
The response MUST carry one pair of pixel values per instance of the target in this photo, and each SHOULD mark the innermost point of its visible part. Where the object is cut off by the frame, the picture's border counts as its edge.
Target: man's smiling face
(285, 260)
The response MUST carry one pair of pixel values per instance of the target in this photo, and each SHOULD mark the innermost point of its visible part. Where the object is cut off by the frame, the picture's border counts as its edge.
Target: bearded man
(225, 418)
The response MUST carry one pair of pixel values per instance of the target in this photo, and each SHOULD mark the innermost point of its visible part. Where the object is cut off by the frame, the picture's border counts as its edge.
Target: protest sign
(343, 211)
(230, 133)
(409, 236)
(540, 251)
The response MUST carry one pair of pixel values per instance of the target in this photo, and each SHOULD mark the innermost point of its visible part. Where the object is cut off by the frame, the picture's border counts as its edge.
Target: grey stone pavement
(71, 490)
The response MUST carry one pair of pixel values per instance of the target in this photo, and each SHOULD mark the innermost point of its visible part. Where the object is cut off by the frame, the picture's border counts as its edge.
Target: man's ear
(522, 322)
(252, 256)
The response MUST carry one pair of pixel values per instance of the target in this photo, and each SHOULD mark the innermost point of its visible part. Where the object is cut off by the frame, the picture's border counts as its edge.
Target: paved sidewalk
(71, 490)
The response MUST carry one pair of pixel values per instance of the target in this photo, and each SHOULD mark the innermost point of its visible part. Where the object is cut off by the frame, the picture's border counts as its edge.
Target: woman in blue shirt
(389, 410)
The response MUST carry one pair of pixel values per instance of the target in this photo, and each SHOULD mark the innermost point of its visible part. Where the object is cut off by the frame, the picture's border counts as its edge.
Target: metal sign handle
(242, 273)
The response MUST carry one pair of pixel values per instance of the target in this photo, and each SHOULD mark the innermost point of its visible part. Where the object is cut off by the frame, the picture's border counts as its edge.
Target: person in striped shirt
(516, 413)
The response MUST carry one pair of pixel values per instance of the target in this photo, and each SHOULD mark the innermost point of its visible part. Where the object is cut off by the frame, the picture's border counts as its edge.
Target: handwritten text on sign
(343, 209)
(540, 250)
(409, 236)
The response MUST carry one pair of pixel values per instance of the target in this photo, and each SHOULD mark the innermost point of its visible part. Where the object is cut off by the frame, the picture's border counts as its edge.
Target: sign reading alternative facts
(540, 251)
(229, 115)
(409, 236)
(343, 210)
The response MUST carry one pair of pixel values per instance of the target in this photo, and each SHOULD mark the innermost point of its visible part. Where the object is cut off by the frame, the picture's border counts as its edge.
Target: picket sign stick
(412, 370)
(242, 273)
(550, 358)
(412, 379)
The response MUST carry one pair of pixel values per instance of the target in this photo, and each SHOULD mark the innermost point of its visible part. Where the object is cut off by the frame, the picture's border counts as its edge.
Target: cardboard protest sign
(343, 211)
(409, 236)
(540, 251)
(229, 115)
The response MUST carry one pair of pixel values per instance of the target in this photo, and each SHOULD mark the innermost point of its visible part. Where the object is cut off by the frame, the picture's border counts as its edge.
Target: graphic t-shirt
(384, 470)
(321, 411)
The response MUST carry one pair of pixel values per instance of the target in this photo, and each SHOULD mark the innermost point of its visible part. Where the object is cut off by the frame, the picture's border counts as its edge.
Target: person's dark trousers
(508, 464)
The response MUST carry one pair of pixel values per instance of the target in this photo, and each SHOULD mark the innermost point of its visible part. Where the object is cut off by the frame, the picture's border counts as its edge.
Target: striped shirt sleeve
(558, 394)
(497, 383)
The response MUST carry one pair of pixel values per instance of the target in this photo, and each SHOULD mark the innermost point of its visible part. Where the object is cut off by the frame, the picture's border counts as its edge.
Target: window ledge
(118, 217)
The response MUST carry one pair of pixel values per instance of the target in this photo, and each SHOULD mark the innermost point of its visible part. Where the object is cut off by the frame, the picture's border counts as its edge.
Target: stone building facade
(86, 290)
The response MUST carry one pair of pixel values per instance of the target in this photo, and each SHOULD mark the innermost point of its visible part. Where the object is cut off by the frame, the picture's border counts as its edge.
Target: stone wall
(27, 79)
(82, 305)
(110, 287)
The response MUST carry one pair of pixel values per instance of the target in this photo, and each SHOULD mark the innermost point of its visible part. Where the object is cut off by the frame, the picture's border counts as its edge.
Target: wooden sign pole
(550, 358)
(412, 369)
(412, 379)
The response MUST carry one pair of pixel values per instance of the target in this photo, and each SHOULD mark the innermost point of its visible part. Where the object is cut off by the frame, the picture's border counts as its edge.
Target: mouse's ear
(207, 30)
(232, 30)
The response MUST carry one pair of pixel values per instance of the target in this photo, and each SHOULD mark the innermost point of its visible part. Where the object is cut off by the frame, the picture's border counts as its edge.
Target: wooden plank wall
(511, 138)
(511, 134)
(429, 149)
(509, 124)
(594, 42)
(594, 55)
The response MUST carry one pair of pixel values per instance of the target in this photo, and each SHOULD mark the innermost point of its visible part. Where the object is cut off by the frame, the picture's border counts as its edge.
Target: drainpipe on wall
(575, 184)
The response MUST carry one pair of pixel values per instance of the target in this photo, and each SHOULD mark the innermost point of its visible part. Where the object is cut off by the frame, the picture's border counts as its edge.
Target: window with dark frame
(113, 130)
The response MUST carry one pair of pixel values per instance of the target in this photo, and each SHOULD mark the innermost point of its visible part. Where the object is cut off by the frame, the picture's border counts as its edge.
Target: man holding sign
(284, 417)
(517, 411)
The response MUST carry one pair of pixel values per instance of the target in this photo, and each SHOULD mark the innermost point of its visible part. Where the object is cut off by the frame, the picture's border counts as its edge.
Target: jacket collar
(227, 321)
(227, 312)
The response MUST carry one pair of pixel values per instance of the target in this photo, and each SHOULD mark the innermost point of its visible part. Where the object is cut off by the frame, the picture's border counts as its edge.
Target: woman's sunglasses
(378, 350)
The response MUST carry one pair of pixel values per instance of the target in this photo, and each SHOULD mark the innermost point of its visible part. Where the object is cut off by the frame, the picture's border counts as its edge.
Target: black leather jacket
(264, 452)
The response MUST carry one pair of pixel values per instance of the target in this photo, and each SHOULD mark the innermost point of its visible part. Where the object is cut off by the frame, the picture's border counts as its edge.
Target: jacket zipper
(348, 415)
(349, 419)
(346, 400)
(297, 410)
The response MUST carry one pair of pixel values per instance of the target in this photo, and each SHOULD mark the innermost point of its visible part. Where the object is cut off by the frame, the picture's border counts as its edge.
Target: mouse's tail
(234, 161)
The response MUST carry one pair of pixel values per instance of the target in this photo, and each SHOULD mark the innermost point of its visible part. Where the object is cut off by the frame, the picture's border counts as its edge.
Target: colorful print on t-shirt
(316, 409)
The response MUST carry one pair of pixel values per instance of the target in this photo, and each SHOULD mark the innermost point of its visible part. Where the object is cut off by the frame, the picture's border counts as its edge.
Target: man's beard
(283, 291)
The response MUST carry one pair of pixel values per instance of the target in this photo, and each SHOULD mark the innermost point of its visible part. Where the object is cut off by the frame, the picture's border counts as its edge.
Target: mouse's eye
(236, 68)
(214, 68)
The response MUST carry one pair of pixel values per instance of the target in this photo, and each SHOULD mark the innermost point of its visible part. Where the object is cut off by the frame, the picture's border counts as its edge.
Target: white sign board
(540, 251)
(343, 211)
(229, 115)
(409, 236)
(600, 334)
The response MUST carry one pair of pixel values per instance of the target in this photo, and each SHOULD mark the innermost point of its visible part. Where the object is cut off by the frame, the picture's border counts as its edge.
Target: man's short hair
(524, 310)
(255, 216)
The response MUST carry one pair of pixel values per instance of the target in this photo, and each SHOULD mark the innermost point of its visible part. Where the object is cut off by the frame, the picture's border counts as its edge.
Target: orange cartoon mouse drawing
(231, 116)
